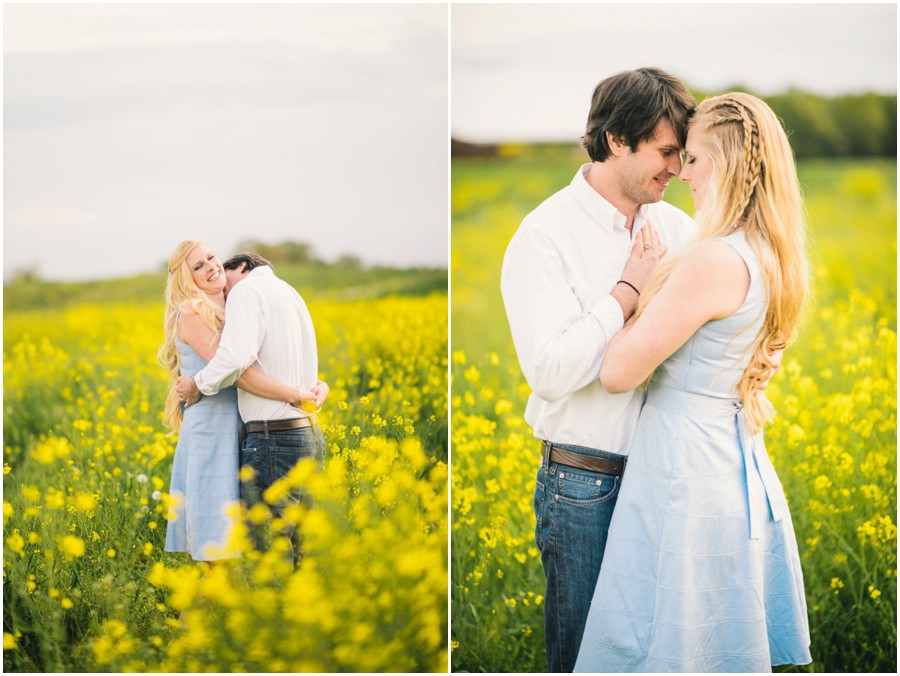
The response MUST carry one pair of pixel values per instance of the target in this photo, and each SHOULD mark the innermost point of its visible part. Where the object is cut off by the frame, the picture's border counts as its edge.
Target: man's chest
(592, 261)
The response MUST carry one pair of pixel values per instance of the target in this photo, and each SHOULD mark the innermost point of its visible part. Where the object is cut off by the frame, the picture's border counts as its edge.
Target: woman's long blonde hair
(183, 294)
(753, 185)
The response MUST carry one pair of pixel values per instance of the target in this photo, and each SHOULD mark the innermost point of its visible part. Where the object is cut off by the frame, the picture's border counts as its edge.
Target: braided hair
(753, 185)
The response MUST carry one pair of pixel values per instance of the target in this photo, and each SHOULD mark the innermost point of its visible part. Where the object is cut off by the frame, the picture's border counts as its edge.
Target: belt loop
(266, 427)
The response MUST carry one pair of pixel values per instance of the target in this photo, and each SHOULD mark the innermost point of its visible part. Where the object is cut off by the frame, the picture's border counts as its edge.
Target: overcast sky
(526, 72)
(128, 128)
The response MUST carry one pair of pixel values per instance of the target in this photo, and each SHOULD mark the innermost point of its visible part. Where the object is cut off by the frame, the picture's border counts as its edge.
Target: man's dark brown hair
(251, 260)
(630, 105)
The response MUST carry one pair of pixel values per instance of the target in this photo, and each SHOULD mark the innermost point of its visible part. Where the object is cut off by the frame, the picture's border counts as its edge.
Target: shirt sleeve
(239, 344)
(560, 344)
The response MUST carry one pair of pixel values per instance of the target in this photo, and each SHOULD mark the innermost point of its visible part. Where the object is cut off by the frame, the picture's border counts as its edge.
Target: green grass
(319, 281)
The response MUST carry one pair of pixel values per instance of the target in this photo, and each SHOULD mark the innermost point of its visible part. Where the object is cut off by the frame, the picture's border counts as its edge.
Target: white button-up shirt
(267, 325)
(558, 272)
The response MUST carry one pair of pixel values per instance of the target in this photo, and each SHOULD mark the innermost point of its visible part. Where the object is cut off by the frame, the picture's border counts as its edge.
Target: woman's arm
(709, 282)
(204, 341)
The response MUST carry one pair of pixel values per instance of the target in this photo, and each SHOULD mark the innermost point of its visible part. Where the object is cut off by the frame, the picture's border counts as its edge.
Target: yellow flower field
(87, 586)
(833, 442)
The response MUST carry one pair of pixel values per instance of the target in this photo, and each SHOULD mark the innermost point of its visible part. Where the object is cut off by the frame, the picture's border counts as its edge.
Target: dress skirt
(701, 571)
(204, 480)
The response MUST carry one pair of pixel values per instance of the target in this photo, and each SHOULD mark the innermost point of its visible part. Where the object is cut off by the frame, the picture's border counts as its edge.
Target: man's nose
(674, 167)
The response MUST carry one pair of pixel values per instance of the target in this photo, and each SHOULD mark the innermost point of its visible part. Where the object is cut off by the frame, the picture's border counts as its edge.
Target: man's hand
(321, 391)
(187, 390)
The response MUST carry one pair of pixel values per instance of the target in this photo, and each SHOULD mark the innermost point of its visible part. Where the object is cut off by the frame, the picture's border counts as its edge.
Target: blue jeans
(272, 455)
(573, 508)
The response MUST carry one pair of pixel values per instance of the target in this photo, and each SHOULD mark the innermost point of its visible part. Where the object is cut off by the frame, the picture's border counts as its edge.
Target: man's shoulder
(252, 288)
(552, 210)
(547, 218)
(272, 284)
(265, 293)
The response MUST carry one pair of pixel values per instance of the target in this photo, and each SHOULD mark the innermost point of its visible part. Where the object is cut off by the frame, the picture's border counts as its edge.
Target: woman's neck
(217, 298)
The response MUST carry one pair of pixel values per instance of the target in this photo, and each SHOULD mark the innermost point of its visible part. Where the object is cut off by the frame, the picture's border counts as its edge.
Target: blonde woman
(701, 571)
(205, 468)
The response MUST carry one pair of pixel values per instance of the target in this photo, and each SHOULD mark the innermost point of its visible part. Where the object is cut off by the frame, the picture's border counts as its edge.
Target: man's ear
(244, 269)
(617, 146)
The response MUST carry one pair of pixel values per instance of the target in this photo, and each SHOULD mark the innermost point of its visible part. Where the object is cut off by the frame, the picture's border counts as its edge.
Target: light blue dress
(205, 469)
(701, 571)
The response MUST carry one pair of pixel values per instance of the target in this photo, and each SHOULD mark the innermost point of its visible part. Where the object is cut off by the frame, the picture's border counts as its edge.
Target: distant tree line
(294, 253)
(852, 125)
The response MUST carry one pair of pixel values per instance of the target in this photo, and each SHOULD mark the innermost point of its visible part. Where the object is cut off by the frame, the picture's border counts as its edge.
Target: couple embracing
(647, 340)
(244, 391)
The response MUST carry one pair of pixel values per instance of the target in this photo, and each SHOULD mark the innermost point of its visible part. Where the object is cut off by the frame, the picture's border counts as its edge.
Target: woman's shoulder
(719, 253)
(187, 314)
(189, 323)
(713, 274)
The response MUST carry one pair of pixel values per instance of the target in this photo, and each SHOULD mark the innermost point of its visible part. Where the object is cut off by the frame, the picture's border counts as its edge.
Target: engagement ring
(647, 247)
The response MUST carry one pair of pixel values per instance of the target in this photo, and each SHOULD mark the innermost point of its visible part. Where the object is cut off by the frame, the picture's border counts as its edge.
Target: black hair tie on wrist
(622, 281)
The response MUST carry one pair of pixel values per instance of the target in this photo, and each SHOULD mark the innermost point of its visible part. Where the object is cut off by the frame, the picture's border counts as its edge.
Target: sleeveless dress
(701, 571)
(205, 470)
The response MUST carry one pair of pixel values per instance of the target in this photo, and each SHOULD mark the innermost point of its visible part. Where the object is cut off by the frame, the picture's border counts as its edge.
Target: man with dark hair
(247, 261)
(238, 266)
(629, 106)
(267, 325)
(571, 277)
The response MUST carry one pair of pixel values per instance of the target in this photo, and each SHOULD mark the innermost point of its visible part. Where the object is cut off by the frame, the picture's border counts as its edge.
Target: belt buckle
(546, 447)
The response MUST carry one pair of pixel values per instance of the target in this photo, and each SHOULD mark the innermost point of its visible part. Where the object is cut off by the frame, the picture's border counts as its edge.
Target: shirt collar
(261, 271)
(601, 210)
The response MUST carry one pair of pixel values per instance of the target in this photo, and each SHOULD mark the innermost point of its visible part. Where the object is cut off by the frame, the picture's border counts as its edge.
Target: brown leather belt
(276, 425)
(591, 463)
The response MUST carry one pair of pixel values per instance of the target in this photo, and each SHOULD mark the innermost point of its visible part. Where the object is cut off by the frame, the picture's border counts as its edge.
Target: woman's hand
(646, 251)
(303, 399)
(321, 390)
(311, 400)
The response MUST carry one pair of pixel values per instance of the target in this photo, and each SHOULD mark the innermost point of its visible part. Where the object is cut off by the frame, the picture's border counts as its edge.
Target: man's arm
(239, 344)
(560, 345)
(205, 342)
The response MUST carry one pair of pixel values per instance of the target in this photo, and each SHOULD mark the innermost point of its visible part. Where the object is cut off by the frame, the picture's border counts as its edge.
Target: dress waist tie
(756, 461)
